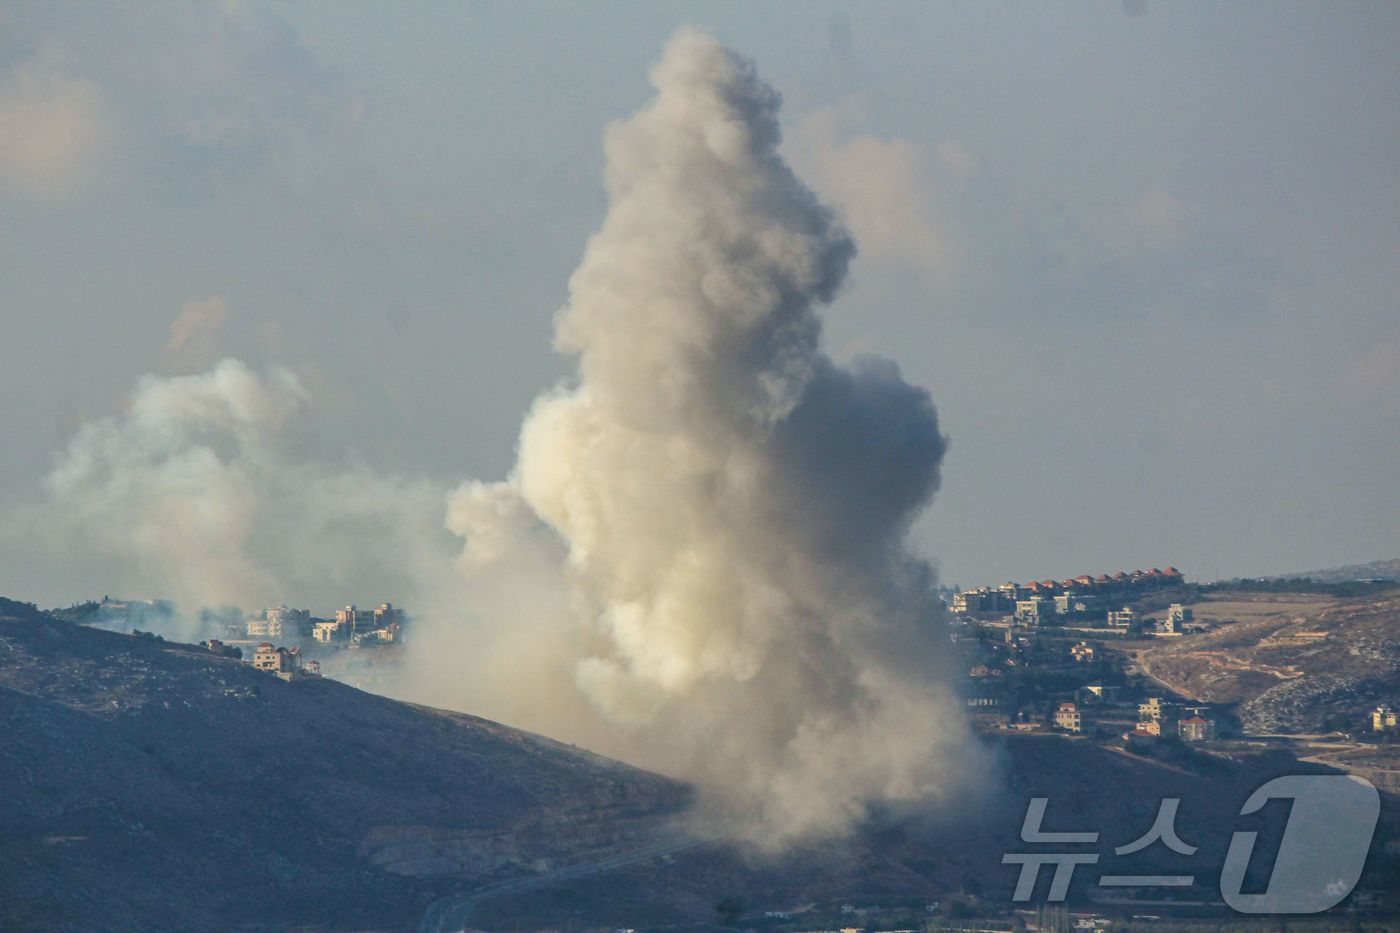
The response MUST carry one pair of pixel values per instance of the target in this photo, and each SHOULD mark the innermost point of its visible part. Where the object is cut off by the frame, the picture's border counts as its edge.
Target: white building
(1123, 618)
(326, 632)
(1177, 614)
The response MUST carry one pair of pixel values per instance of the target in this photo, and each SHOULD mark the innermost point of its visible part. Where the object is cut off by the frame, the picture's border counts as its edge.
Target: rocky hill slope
(157, 786)
(1293, 663)
(151, 785)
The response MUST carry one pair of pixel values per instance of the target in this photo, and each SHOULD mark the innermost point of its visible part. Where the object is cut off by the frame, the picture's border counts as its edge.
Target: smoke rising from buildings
(699, 561)
(191, 494)
(718, 510)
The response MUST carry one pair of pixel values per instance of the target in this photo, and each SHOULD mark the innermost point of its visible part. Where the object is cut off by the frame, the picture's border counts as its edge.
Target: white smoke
(699, 561)
(190, 495)
(712, 520)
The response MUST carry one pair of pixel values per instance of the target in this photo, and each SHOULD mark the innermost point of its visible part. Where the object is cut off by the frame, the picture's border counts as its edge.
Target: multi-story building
(279, 622)
(274, 660)
(1384, 719)
(1034, 610)
(327, 631)
(1178, 615)
(286, 663)
(291, 621)
(264, 628)
(358, 622)
(982, 599)
(1067, 717)
(1158, 716)
(355, 620)
(1123, 618)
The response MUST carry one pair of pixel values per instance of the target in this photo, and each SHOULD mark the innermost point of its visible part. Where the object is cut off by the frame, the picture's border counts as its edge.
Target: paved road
(450, 914)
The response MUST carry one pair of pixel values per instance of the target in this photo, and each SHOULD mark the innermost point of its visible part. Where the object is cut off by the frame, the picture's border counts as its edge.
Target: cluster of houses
(1157, 718)
(287, 663)
(351, 625)
(1084, 598)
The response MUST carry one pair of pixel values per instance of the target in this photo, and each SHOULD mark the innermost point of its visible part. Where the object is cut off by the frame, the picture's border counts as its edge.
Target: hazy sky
(1146, 257)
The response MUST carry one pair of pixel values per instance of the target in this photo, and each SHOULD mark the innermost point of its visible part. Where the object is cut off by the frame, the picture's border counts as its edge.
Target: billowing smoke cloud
(190, 495)
(699, 561)
(713, 518)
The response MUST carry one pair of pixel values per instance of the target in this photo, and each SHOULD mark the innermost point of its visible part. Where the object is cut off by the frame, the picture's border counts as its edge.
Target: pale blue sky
(1146, 257)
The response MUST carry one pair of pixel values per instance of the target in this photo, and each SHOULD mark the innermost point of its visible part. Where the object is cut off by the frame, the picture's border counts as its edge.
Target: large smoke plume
(699, 561)
(726, 507)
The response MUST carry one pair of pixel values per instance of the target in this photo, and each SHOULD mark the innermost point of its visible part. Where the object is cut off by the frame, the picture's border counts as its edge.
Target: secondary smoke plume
(189, 495)
(699, 560)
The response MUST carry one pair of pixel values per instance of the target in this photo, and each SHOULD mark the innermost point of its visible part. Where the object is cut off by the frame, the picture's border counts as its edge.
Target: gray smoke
(189, 494)
(699, 561)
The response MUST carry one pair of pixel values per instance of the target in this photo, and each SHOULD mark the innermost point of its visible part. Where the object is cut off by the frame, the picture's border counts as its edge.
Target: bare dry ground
(1293, 662)
(1251, 607)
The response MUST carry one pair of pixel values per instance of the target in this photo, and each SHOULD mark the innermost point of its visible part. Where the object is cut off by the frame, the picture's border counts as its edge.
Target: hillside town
(1064, 656)
(289, 643)
(351, 627)
(1050, 670)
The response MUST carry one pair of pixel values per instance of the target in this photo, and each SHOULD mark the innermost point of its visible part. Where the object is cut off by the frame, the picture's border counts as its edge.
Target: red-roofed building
(1196, 729)
(1140, 737)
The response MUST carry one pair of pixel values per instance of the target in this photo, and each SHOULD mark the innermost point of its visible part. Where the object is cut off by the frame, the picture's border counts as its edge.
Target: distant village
(1061, 656)
(352, 627)
(1085, 600)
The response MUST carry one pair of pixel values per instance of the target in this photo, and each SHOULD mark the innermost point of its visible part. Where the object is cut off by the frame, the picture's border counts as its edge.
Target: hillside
(954, 858)
(1292, 662)
(157, 786)
(1375, 570)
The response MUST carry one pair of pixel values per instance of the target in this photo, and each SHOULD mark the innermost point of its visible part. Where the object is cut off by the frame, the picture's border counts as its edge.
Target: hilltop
(1375, 570)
